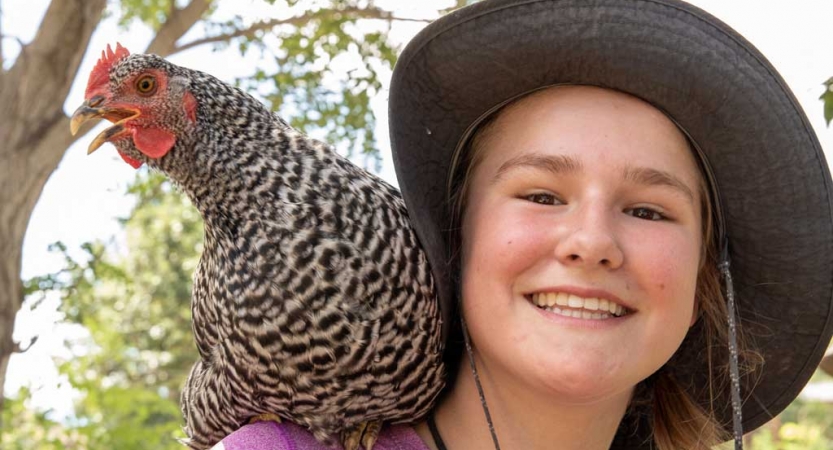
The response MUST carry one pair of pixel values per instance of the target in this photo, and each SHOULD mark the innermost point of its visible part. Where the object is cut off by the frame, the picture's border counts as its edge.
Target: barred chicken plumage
(313, 300)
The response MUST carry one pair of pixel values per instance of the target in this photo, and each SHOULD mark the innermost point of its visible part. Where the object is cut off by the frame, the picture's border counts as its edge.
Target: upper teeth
(550, 299)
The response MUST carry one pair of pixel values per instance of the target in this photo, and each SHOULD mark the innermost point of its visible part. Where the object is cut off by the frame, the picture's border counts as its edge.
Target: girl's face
(581, 244)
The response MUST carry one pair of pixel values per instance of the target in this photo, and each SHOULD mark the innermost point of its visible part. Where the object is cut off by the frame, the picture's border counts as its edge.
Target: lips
(117, 114)
(571, 305)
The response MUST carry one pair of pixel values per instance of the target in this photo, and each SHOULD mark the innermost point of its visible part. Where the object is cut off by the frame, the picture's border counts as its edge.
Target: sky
(85, 195)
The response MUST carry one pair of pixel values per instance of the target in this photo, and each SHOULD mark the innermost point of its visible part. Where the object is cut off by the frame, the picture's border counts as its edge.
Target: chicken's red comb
(101, 72)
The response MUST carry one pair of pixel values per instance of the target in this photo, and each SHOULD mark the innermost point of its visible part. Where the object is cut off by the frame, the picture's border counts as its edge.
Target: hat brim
(772, 177)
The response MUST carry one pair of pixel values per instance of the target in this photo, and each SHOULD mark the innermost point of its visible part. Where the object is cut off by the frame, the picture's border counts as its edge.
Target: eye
(542, 198)
(645, 213)
(146, 85)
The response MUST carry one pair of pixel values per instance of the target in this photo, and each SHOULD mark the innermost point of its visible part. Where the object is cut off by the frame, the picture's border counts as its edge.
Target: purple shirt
(288, 436)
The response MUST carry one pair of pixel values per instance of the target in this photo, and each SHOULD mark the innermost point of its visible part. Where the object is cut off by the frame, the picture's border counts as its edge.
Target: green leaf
(827, 98)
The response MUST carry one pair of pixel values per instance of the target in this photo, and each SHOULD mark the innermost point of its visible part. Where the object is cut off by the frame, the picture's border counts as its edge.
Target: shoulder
(288, 436)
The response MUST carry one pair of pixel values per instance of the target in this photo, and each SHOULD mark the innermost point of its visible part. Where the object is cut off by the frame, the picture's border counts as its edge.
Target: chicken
(313, 301)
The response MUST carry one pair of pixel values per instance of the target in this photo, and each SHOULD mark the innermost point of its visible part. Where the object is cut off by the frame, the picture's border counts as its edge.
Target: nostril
(95, 101)
(574, 257)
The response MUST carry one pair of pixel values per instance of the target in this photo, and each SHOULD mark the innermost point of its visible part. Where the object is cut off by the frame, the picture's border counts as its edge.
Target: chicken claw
(364, 433)
(265, 417)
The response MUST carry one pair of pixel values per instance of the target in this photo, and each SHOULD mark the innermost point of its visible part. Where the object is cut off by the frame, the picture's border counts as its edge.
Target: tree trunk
(34, 130)
(32, 93)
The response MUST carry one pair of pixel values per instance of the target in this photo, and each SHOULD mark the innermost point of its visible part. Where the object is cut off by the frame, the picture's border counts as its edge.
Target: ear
(178, 87)
(153, 142)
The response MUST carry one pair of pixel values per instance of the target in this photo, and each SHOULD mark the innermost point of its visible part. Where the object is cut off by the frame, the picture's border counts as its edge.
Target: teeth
(592, 304)
(574, 306)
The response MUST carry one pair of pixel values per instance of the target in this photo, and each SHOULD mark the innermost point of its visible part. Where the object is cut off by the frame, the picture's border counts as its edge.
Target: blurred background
(96, 279)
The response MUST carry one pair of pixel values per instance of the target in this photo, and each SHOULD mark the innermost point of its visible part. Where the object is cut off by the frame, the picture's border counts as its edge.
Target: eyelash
(543, 198)
(655, 215)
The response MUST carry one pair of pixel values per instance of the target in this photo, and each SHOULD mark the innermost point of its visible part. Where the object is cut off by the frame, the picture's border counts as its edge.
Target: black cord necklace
(435, 433)
(432, 425)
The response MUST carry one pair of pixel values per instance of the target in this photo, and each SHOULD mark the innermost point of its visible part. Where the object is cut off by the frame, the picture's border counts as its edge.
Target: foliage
(323, 73)
(802, 426)
(136, 306)
(827, 98)
(32, 429)
(151, 12)
(305, 50)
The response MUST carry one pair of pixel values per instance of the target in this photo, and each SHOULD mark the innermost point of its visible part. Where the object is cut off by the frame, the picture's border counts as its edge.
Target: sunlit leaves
(26, 429)
(827, 98)
(321, 62)
(321, 68)
(151, 12)
(130, 418)
(134, 299)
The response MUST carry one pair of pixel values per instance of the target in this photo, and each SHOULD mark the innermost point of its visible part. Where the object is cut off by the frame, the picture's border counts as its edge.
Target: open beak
(92, 109)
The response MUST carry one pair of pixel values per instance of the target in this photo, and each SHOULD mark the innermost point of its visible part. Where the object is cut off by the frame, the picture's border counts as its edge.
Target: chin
(573, 373)
(584, 390)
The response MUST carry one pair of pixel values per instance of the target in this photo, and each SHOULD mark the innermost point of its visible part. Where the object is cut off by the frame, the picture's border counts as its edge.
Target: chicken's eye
(146, 85)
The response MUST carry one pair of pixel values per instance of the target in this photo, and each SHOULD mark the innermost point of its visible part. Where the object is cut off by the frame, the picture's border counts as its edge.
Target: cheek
(668, 264)
(499, 245)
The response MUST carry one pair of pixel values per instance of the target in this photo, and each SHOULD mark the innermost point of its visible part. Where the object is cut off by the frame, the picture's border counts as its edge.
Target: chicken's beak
(92, 109)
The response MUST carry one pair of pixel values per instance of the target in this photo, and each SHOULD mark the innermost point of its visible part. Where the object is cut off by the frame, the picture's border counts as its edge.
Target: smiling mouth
(569, 305)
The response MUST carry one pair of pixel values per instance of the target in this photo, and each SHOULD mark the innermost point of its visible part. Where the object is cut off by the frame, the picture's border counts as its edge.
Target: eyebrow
(562, 164)
(653, 177)
(554, 164)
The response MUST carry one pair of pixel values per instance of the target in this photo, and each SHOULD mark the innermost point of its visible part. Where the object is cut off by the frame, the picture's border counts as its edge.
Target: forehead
(595, 125)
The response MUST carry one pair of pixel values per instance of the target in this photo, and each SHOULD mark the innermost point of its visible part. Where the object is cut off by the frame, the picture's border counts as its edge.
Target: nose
(588, 239)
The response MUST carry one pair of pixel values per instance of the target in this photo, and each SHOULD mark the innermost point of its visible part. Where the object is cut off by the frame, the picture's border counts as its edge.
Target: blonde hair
(678, 421)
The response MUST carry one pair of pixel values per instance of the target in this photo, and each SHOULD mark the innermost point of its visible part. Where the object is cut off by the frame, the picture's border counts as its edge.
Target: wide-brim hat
(770, 177)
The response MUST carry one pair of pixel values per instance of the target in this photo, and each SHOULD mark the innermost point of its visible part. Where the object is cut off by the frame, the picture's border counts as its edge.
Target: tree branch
(18, 349)
(356, 13)
(42, 74)
(178, 23)
(247, 32)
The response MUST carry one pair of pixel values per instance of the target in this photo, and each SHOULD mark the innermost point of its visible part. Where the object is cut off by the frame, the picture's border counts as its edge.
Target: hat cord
(734, 372)
(477, 383)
